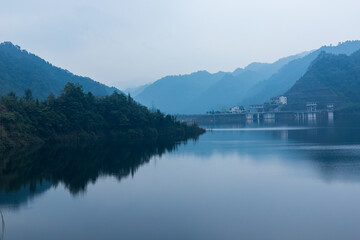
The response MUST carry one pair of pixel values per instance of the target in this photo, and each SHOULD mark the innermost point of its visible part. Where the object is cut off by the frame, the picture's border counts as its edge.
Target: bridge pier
(269, 115)
(249, 116)
(300, 115)
(311, 115)
(331, 117)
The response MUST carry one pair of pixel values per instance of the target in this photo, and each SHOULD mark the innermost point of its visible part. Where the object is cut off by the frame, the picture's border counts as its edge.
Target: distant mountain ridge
(134, 91)
(202, 91)
(230, 90)
(20, 70)
(254, 84)
(173, 94)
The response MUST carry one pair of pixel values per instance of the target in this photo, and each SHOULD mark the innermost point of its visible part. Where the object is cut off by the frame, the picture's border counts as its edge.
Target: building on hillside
(237, 109)
(281, 100)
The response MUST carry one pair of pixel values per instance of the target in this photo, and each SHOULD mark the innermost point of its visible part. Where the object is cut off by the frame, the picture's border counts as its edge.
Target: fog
(129, 43)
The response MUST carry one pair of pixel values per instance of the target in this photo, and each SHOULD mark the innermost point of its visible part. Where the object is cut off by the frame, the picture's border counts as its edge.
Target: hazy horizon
(127, 44)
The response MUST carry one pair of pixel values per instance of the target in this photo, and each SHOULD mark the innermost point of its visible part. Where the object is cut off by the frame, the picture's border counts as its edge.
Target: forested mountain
(21, 70)
(286, 77)
(77, 116)
(331, 79)
(202, 91)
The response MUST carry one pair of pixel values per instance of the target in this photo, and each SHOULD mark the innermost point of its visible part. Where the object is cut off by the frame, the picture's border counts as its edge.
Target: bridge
(257, 112)
(296, 114)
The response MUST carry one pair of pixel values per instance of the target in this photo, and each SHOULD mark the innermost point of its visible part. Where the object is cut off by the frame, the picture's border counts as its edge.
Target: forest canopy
(79, 116)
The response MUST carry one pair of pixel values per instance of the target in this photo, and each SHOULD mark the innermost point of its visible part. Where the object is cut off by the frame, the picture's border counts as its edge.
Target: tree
(28, 95)
(12, 94)
(51, 99)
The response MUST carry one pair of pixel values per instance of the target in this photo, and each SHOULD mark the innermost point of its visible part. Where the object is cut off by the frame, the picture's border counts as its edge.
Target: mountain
(202, 91)
(286, 77)
(20, 70)
(173, 94)
(331, 79)
(229, 90)
(225, 92)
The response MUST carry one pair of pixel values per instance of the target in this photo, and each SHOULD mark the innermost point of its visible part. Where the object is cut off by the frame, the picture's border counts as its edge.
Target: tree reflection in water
(33, 172)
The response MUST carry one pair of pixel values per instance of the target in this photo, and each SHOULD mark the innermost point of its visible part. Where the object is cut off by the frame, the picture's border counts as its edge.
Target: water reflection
(258, 181)
(332, 151)
(27, 174)
(21, 196)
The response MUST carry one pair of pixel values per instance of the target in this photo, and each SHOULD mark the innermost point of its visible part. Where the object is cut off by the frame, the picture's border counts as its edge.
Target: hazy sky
(130, 42)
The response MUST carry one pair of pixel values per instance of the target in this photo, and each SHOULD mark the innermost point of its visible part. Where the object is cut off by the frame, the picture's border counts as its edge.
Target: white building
(237, 109)
(283, 100)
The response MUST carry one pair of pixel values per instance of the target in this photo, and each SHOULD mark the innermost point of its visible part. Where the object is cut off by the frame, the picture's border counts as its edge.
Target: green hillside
(330, 79)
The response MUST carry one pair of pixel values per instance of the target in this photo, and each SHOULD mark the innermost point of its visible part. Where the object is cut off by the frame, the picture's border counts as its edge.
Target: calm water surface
(235, 182)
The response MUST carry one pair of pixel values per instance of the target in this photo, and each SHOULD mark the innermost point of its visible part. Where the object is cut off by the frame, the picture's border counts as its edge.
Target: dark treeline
(77, 116)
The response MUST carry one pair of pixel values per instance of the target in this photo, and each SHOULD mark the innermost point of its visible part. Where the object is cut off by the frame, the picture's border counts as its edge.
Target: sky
(127, 43)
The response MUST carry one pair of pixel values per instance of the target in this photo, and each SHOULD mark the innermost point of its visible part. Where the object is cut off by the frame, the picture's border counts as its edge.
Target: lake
(254, 181)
